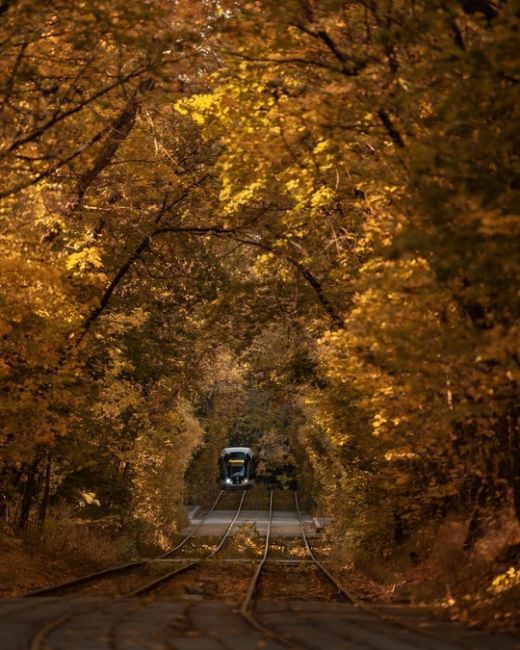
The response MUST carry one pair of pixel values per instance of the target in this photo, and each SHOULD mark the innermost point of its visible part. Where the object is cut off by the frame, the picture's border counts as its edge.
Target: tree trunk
(516, 496)
(42, 511)
(29, 492)
(120, 129)
(476, 521)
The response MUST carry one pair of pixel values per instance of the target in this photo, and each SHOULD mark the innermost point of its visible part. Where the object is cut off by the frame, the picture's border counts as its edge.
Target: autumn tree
(392, 204)
(209, 204)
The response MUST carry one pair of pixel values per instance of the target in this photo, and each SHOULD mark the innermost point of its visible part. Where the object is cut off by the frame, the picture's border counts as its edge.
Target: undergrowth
(479, 587)
(63, 550)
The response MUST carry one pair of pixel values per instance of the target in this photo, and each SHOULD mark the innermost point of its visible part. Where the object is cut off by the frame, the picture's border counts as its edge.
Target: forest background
(288, 224)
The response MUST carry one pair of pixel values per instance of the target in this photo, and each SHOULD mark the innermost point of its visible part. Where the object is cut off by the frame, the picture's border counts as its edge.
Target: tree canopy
(292, 224)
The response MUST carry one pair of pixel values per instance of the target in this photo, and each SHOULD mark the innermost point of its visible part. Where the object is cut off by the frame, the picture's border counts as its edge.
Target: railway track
(246, 608)
(120, 569)
(277, 631)
(161, 581)
(38, 640)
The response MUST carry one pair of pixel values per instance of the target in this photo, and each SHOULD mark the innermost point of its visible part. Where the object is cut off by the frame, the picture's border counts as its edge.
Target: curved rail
(38, 641)
(194, 530)
(244, 606)
(70, 585)
(245, 610)
(159, 582)
(356, 602)
(347, 595)
(286, 639)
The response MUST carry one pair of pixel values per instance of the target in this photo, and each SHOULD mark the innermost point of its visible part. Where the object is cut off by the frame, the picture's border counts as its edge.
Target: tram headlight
(228, 480)
(245, 480)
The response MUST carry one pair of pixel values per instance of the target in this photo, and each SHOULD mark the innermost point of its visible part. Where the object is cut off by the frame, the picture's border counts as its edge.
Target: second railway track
(117, 570)
(123, 579)
(293, 637)
(246, 608)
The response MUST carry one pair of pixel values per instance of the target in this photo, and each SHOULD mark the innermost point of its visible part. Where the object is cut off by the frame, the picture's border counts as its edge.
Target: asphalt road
(81, 623)
(284, 524)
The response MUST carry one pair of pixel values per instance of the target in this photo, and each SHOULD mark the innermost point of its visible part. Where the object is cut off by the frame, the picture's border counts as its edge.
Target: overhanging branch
(308, 276)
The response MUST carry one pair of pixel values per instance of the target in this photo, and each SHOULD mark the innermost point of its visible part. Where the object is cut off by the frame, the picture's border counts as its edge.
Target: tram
(237, 468)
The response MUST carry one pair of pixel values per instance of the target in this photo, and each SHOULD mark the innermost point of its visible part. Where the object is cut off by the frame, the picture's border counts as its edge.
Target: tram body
(237, 468)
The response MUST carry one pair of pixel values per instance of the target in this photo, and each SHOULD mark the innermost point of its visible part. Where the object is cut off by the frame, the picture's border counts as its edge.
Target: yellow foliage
(505, 581)
(86, 259)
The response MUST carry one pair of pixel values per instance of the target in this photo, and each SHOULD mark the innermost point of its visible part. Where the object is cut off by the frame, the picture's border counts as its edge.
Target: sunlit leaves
(354, 242)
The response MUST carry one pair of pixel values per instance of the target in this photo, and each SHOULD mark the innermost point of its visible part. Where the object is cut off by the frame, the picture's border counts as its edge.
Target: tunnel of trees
(292, 224)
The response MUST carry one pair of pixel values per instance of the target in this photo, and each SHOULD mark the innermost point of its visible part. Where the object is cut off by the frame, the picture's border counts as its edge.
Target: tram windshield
(236, 463)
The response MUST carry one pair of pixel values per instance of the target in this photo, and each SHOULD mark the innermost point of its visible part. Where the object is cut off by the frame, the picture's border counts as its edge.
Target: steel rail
(70, 585)
(269, 632)
(38, 641)
(156, 584)
(193, 530)
(370, 609)
(244, 607)
(287, 640)
(346, 594)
